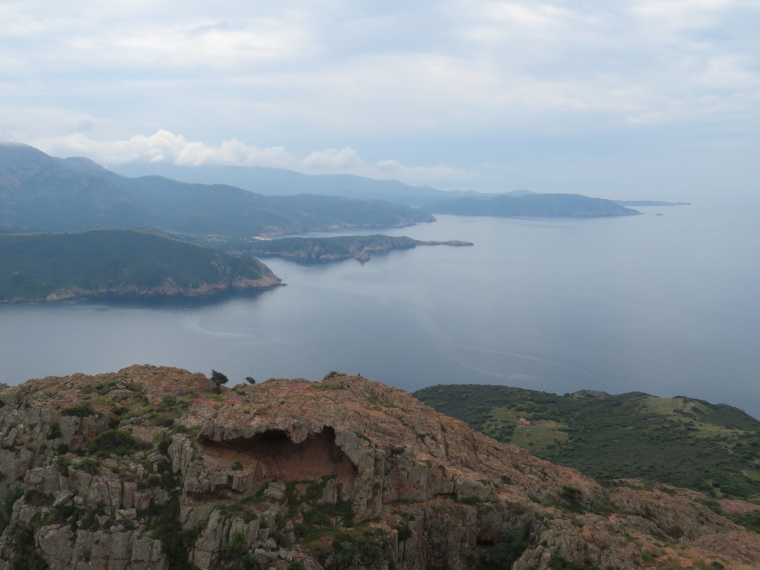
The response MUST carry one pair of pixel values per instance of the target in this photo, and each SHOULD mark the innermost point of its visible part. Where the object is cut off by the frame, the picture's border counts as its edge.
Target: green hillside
(34, 266)
(714, 448)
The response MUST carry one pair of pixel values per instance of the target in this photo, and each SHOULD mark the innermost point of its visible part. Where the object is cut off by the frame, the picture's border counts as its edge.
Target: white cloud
(165, 146)
(728, 73)
(332, 159)
(215, 44)
(347, 161)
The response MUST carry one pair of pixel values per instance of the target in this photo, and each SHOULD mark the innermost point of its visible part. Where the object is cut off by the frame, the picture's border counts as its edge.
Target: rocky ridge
(148, 468)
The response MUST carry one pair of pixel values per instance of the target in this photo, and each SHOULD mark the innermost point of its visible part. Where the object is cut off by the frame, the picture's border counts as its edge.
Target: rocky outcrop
(148, 468)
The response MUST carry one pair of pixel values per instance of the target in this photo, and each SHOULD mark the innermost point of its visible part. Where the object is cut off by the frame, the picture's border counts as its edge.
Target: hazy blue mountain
(276, 182)
(38, 192)
(42, 193)
(539, 205)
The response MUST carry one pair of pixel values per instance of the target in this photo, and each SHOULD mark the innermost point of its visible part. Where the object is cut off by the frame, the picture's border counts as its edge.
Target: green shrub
(55, 431)
(116, 442)
(349, 551)
(404, 532)
(505, 552)
(88, 465)
(12, 495)
(21, 542)
(557, 562)
(79, 411)
(100, 389)
(218, 379)
(235, 557)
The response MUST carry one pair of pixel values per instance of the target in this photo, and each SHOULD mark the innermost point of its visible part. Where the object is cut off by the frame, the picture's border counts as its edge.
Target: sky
(649, 99)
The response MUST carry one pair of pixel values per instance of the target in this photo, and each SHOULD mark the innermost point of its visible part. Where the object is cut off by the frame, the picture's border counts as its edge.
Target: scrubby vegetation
(505, 552)
(713, 448)
(114, 442)
(37, 265)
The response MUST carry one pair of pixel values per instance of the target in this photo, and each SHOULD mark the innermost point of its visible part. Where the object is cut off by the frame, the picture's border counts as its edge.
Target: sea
(666, 303)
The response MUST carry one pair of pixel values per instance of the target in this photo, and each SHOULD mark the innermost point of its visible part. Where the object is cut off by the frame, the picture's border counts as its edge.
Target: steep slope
(147, 468)
(51, 267)
(42, 193)
(534, 205)
(38, 193)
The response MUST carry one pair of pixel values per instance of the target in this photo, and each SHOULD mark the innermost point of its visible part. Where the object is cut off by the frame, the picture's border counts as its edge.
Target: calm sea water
(663, 304)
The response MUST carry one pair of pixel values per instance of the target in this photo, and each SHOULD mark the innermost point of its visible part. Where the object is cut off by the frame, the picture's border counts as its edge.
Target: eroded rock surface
(147, 468)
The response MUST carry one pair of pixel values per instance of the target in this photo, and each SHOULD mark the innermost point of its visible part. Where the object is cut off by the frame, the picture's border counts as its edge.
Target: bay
(665, 304)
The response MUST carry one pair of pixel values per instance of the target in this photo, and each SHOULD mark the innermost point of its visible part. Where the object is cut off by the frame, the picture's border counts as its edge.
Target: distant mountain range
(543, 205)
(42, 193)
(278, 182)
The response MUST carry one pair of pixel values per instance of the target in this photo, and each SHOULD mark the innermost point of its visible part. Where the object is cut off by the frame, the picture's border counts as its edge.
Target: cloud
(347, 161)
(448, 82)
(165, 146)
(391, 68)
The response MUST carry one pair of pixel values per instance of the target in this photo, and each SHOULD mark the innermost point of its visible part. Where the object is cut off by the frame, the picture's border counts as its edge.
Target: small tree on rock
(250, 380)
(218, 379)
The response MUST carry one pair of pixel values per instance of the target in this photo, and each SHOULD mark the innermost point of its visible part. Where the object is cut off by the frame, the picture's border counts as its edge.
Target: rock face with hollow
(344, 473)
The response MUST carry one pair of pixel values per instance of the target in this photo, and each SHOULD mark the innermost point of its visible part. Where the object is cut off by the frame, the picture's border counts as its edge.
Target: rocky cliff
(148, 468)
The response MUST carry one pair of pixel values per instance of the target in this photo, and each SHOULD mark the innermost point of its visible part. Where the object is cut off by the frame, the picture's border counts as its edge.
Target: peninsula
(534, 205)
(326, 249)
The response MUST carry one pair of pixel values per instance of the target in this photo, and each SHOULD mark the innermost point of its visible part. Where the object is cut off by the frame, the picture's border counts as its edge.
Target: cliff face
(147, 468)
